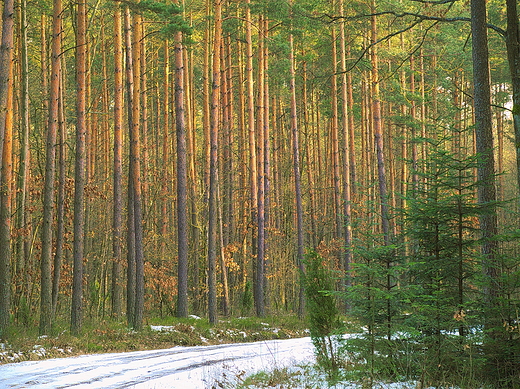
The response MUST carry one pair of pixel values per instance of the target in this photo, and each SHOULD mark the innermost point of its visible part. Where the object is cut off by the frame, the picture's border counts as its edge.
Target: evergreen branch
(419, 18)
(383, 39)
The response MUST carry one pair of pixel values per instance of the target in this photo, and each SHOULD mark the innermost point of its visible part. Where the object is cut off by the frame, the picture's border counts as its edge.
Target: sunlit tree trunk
(130, 234)
(309, 156)
(297, 174)
(213, 181)
(336, 176)
(79, 189)
(182, 183)
(5, 201)
(266, 162)
(135, 160)
(50, 172)
(378, 133)
(117, 218)
(347, 139)
(60, 206)
(6, 55)
(250, 89)
(165, 185)
(259, 292)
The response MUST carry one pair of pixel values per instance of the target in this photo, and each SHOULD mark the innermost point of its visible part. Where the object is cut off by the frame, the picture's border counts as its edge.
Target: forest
(172, 158)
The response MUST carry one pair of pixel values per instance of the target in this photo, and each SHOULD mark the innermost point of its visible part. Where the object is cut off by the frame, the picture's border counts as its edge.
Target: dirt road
(198, 367)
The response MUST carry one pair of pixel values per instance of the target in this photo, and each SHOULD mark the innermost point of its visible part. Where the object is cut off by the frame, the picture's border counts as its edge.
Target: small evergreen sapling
(322, 313)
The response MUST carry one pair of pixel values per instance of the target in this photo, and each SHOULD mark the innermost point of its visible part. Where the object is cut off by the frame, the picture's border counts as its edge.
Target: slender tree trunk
(60, 206)
(310, 158)
(117, 218)
(352, 145)
(259, 292)
(135, 160)
(213, 182)
(50, 172)
(144, 120)
(21, 197)
(339, 222)
(6, 55)
(5, 206)
(250, 88)
(378, 134)
(225, 285)
(80, 173)
(165, 153)
(347, 175)
(266, 163)
(130, 271)
(297, 175)
(206, 104)
(182, 181)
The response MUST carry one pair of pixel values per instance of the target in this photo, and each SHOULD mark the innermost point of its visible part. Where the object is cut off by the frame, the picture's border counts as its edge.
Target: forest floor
(114, 336)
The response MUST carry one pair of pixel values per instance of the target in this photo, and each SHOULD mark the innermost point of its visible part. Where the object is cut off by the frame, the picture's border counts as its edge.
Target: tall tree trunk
(513, 57)
(5, 206)
(60, 206)
(50, 172)
(165, 153)
(22, 187)
(347, 140)
(339, 222)
(135, 160)
(266, 162)
(117, 218)
(486, 177)
(6, 55)
(378, 133)
(213, 177)
(259, 293)
(80, 173)
(131, 250)
(297, 175)
(250, 91)
(182, 181)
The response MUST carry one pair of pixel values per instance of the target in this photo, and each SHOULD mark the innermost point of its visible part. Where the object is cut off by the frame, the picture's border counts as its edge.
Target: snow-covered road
(178, 367)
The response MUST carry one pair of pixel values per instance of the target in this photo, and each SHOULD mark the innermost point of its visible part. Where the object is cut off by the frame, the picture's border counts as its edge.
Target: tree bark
(182, 181)
(117, 218)
(297, 176)
(80, 173)
(347, 142)
(50, 172)
(135, 160)
(336, 176)
(6, 55)
(378, 134)
(513, 57)
(5, 208)
(60, 206)
(259, 292)
(213, 177)
(486, 175)
(21, 197)
(250, 88)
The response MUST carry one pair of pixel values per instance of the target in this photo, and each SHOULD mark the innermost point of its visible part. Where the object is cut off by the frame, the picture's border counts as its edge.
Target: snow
(197, 367)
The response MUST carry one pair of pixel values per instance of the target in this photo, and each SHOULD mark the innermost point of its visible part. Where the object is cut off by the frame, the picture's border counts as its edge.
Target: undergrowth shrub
(324, 321)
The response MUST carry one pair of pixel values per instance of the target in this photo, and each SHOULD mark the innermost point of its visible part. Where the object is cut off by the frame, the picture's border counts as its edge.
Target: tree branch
(419, 17)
